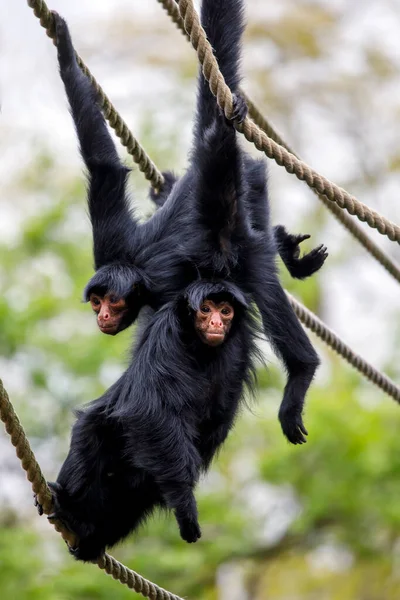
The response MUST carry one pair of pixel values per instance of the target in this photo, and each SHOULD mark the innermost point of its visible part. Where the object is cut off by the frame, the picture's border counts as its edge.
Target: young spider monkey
(143, 444)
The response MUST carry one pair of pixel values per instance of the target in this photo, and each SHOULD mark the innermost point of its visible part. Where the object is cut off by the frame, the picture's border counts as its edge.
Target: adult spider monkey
(138, 264)
(145, 441)
(190, 236)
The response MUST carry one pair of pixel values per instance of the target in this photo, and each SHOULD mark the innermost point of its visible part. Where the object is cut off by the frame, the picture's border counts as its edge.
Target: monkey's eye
(94, 301)
(205, 309)
(113, 299)
(226, 311)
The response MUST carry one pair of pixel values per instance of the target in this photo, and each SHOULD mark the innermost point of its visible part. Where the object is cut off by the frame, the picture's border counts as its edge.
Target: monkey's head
(213, 320)
(116, 295)
(216, 307)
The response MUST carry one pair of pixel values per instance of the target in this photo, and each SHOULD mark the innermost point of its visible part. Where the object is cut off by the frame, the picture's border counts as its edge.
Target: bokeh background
(279, 522)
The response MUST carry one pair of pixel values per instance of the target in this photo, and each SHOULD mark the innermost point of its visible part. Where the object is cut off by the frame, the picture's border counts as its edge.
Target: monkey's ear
(199, 290)
(117, 278)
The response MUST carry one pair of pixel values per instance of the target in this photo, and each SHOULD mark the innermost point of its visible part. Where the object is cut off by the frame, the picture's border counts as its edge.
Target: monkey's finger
(303, 429)
(301, 439)
(38, 506)
(318, 254)
(301, 237)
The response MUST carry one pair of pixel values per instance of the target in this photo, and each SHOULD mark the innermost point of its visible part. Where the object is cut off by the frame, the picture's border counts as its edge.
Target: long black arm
(223, 21)
(112, 221)
(291, 343)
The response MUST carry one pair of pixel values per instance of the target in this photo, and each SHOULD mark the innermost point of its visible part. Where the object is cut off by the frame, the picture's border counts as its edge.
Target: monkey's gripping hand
(65, 48)
(289, 250)
(239, 110)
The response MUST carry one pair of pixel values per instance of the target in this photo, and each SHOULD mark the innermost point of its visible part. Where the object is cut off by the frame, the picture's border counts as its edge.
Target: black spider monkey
(138, 263)
(145, 441)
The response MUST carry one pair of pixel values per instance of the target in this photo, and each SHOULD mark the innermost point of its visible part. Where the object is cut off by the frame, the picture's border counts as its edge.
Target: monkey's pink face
(213, 322)
(110, 311)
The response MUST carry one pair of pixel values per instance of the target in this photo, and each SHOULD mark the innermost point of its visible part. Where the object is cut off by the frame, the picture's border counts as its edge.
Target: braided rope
(39, 486)
(265, 144)
(139, 155)
(312, 322)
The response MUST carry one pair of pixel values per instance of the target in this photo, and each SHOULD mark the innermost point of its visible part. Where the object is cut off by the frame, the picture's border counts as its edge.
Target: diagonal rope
(171, 7)
(139, 155)
(264, 143)
(39, 486)
(312, 322)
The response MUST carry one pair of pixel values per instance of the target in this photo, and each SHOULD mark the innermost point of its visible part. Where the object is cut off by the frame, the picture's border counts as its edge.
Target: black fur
(144, 443)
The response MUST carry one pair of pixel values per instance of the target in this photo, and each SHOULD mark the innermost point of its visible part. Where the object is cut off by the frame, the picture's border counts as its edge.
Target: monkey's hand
(189, 527)
(313, 261)
(292, 425)
(65, 48)
(240, 109)
(289, 250)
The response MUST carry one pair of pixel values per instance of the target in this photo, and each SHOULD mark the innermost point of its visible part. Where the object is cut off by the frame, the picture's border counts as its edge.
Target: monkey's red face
(110, 312)
(213, 322)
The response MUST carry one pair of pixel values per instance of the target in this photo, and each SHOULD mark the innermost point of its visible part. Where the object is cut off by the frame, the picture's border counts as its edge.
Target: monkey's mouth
(215, 336)
(108, 329)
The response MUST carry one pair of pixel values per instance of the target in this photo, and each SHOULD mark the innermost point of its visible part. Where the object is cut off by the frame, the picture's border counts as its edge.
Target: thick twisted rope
(39, 486)
(139, 155)
(262, 142)
(171, 7)
(312, 322)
